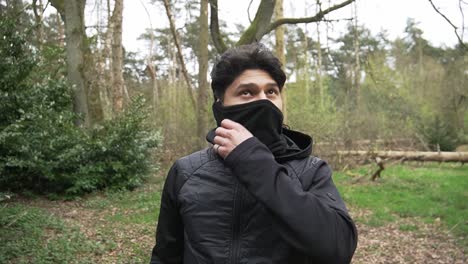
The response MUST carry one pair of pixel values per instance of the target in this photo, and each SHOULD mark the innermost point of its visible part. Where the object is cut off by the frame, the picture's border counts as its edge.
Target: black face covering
(262, 118)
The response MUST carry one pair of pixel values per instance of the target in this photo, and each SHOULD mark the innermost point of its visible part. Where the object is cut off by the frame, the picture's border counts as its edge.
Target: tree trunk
(357, 69)
(202, 119)
(279, 48)
(262, 24)
(95, 82)
(175, 65)
(117, 57)
(259, 26)
(179, 53)
(214, 28)
(154, 86)
(319, 60)
(106, 88)
(305, 70)
(60, 31)
(38, 16)
(72, 13)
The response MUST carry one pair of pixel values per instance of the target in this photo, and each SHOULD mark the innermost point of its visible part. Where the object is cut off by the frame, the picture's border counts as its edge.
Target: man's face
(253, 85)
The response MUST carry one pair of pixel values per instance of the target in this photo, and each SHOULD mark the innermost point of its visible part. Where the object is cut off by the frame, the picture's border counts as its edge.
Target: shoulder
(311, 170)
(184, 168)
(190, 163)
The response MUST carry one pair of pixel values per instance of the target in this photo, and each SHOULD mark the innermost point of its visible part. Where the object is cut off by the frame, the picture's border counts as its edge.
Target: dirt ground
(429, 243)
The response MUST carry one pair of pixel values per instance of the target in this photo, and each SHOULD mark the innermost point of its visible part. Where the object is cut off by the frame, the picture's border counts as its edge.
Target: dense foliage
(400, 89)
(40, 147)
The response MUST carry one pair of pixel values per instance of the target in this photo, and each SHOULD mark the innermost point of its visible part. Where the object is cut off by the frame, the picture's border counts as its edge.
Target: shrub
(40, 148)
(438, 134)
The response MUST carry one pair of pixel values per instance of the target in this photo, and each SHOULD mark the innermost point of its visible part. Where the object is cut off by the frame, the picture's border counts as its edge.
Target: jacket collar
(299, 144)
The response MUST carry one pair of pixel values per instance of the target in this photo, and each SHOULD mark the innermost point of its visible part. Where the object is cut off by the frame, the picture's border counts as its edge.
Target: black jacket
(253, 207)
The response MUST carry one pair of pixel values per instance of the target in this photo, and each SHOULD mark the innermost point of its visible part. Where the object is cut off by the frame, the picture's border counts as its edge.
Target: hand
(228, 136)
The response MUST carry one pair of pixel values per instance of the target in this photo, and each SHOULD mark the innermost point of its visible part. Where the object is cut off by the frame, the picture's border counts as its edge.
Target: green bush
(438, 134)
(42, 150)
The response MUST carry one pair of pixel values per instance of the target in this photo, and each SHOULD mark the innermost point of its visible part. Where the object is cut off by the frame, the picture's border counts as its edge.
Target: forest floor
(119, 227)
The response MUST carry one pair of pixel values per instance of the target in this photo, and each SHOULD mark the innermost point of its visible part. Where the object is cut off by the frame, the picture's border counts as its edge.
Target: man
(256, 196)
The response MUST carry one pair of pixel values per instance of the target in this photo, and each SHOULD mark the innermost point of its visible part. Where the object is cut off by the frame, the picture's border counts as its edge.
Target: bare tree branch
(460, 40)
(248, 11)
(463, 17)
(318, 17)
(214, 27)
(337, 20)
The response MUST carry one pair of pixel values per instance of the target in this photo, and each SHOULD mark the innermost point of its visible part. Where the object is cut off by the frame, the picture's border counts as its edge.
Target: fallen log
(409, 155)
(405, 141)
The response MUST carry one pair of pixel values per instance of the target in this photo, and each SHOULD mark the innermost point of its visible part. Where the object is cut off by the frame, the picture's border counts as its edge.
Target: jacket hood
(299, 144)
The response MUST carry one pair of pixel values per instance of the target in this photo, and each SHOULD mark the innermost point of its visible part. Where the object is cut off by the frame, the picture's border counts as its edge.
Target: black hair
(236, 60)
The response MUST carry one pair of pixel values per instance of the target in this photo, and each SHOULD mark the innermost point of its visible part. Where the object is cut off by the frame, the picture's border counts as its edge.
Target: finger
(223, 132)
(220, 140)
(229, 124)
(216, 148)
(223, 151)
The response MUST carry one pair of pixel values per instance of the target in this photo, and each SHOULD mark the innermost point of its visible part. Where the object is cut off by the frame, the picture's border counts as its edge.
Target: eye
(272, 91)
(245, 93)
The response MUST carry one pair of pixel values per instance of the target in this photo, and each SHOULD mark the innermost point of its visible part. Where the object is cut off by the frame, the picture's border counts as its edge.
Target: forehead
(254, 76)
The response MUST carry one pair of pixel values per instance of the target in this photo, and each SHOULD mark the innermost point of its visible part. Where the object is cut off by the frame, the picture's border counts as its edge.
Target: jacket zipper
(238, 196)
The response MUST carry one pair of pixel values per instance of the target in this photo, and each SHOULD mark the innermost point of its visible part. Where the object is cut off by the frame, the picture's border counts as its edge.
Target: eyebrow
(254, 85)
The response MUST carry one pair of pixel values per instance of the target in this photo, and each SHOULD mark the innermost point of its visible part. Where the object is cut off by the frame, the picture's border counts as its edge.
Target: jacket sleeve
(310, 215)
(170, 231)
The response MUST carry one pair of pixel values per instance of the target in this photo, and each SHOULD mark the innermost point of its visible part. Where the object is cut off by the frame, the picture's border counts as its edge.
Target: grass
(32, 235)
(138, 207)
(130, 220)
(118, 227)
(433, 193)
(118, 223)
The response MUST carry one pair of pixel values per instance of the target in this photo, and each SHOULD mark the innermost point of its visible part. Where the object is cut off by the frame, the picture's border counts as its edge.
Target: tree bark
(179, 53)
(106, 89)
(319, 59)
(279, 46)
(72, 13)
(357, 66)
(381, 165)
(262, 25)
(38, 9)
(60, 30)
(410, 155)
(214, 27)
(305, 69)
(154, 84)
(202, 118)
(259, 26)
(117, 57)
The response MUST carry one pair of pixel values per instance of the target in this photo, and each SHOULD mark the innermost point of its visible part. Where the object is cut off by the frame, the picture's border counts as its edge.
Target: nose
(262, 95)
